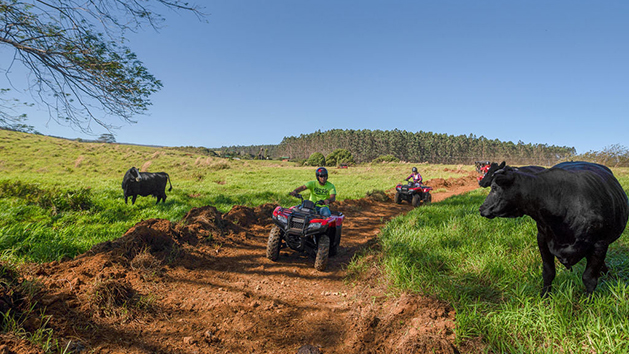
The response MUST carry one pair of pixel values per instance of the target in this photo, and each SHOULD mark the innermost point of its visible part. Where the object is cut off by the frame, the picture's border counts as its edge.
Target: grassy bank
(490, 270)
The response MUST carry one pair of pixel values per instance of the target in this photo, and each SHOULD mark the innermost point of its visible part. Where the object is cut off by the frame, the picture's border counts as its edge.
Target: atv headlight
(281, 218)
(315, 226)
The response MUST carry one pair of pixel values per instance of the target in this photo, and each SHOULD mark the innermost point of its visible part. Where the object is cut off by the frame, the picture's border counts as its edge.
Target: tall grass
(490, 270)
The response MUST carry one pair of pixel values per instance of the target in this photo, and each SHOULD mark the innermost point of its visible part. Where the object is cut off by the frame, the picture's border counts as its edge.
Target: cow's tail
(171, 185)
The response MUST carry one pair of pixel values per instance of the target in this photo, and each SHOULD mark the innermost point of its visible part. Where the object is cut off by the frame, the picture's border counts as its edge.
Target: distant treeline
(368, 145)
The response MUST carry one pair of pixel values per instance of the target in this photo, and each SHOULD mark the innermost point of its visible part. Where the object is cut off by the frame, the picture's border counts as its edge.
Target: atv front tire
(416, 200)
(398, 198)
(335, 248)
(273, 243)
(427, 199)
(323, 251)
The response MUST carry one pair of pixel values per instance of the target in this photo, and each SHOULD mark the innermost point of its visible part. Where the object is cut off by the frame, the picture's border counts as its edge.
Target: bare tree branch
(74, 50)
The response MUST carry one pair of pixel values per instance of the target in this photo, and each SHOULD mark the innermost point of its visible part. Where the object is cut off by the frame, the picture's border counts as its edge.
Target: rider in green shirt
(320, 189)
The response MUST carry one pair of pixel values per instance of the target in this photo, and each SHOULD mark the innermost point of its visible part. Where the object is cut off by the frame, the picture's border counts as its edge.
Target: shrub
(339, 156)
(385, 158)
(316, 159)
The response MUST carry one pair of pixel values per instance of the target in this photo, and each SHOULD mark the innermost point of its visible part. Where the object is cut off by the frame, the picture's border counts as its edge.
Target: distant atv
(414, 193)
(482, 166)
(303, 230)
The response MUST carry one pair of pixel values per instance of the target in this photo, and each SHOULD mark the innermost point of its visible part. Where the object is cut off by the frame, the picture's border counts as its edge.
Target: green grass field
(490, 270)
(59, 197)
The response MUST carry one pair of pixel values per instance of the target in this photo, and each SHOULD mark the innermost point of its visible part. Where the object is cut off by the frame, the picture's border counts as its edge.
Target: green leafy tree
(106, 138)
(73, 50)
(316, 159)
(338, 157)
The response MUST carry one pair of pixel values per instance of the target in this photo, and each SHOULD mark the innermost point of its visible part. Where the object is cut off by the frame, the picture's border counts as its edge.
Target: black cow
(493, 167)
(580, 208)
(137, 183)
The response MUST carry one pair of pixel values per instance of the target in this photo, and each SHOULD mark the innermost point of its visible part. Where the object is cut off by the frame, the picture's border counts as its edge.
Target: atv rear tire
(323, 251)
(416, 200)
(398, 198)
(273, 243)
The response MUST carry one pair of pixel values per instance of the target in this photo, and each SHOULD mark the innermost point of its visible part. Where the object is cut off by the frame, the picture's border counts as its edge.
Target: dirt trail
(161, 288)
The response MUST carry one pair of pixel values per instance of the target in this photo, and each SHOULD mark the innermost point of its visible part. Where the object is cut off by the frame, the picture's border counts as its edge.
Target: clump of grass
(147, 264)
(55, 199)
(19, 313)
(220, 166)
(377, 195)
(111, 296)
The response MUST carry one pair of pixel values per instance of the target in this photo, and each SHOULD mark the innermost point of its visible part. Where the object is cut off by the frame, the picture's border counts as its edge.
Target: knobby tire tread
(273, 244)
(323, 252)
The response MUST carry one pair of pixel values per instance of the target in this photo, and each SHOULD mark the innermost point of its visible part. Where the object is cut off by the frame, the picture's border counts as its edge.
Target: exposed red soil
(164, 288)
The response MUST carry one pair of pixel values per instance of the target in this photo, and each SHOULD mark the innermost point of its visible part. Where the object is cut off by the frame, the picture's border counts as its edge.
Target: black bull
(579, 207)
(144, 184)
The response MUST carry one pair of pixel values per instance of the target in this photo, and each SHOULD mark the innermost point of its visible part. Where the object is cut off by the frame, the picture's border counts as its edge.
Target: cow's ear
(502, 165)
(504, 178)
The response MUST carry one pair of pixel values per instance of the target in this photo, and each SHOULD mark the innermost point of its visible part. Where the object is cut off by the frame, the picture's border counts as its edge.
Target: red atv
(482, 167)
(415, 193)
(303, 230)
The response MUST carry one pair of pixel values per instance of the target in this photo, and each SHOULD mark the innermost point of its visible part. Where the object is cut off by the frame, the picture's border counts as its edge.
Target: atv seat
(308, 206)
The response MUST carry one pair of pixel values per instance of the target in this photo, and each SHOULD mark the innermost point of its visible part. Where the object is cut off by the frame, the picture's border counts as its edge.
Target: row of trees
(373, 145)
(368, 145)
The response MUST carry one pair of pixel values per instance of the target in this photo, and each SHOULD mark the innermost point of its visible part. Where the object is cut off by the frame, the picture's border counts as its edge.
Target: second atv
(414, 193)
(302, 229)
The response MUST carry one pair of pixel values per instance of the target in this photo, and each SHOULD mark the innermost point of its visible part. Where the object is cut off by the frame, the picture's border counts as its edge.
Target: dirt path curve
(162, 289)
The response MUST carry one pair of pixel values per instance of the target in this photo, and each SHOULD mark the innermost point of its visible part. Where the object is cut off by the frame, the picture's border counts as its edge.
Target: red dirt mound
(469, 179)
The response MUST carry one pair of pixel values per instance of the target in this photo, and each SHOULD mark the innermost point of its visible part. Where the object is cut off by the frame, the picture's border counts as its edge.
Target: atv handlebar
(296, 195)
(301, 197)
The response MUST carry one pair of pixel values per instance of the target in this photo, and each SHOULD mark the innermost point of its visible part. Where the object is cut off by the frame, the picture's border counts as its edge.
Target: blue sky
(547, 72)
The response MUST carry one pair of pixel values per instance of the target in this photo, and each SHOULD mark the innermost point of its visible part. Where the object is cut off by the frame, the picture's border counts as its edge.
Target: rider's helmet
(414, 169)
(321, 172)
